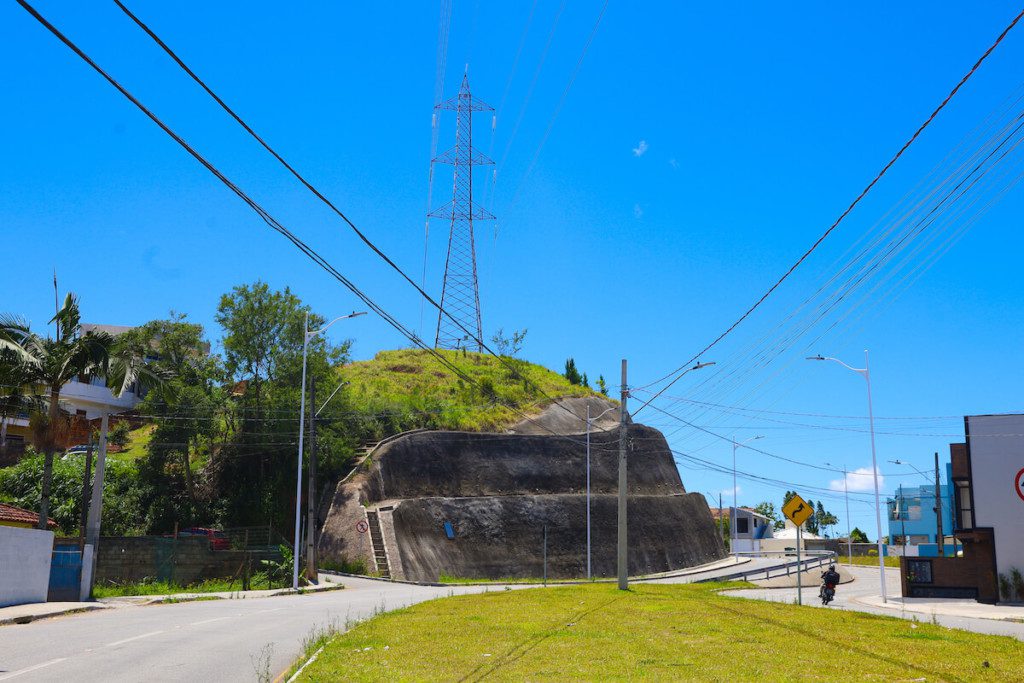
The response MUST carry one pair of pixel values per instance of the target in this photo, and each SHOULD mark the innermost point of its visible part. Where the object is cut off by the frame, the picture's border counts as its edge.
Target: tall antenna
(460, 296)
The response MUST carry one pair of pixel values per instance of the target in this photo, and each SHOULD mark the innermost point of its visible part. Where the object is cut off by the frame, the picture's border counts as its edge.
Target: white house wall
(25, 556)
(996, 445)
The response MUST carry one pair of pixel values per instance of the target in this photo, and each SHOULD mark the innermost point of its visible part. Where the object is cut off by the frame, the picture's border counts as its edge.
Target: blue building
(912, 518)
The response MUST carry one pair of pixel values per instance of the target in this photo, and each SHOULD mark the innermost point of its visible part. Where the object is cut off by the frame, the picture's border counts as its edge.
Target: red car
(218, 539)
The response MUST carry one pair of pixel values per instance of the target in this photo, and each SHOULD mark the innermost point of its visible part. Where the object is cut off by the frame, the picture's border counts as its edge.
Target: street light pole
(865, 372)
(735, 511)
(306, 336)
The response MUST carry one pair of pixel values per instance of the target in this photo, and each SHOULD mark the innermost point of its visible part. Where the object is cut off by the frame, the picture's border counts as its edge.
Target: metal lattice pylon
(460, 295)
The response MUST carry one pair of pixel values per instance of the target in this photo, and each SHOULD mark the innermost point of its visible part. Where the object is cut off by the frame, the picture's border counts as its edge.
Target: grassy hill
(410, 388)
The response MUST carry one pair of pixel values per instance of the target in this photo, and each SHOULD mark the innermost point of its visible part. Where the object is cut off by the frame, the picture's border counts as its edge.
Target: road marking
(31, 668)
(128, 640)
(207, 621)
(264, 611)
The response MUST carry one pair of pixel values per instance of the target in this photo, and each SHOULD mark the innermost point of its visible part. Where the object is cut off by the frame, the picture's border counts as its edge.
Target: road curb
(29, 618)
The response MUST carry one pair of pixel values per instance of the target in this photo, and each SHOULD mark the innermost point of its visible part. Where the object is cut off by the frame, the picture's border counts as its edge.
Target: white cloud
(859, 480)
(673, 163)
(727, 493)
(640, 149)
(637, 211)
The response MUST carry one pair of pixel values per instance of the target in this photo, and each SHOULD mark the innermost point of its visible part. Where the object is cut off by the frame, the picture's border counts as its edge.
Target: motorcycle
(827, 593)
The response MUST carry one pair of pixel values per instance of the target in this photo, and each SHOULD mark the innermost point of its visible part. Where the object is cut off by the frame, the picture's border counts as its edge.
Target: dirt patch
(407, 369)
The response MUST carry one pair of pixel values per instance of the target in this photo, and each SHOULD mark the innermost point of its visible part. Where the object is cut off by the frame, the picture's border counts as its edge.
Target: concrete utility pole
(311, 513)
(939, 537)
(85, 494)
(623, 565)
(92, 531)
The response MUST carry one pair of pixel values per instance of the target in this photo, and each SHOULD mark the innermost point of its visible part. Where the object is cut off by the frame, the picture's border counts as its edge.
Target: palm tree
(17, 391)
(55, 362)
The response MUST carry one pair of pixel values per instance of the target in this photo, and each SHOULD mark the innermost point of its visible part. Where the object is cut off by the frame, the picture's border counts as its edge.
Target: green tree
(824, 519)
(571, 373)
(858, 536)
(602, 387)
(188, 409)
(767, 509)
(253, 474)
(21, 485)
(17, 393)
(55, 362)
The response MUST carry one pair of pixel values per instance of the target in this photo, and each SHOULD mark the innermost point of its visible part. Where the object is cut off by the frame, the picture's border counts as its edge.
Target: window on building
(964, 506)
(743, 525)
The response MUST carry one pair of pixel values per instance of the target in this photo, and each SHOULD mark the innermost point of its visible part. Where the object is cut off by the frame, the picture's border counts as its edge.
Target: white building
(750, 529)
(89, 397)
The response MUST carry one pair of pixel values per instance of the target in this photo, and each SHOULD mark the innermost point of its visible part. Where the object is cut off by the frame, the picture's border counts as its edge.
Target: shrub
(1005, 589)
(1018, 583)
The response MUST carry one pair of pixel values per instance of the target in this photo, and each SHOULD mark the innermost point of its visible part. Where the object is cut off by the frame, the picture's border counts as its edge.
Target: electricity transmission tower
(460, 295)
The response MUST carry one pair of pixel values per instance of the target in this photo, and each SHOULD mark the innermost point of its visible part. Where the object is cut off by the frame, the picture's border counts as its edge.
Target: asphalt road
(866, 584)
(216, 640)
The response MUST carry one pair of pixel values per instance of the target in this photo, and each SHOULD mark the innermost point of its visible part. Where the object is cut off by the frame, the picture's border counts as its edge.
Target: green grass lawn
(653, 632)
(890, 561)
(138, 441)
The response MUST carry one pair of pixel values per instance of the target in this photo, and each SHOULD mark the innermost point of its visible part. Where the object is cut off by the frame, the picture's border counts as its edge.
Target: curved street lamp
(865, 372)
(306, 336)
(735, 511)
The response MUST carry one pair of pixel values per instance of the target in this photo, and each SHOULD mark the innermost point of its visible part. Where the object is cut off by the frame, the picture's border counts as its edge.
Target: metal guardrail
(810, 560)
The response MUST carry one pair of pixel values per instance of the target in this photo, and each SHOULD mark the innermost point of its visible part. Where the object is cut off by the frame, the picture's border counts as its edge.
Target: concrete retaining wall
(24, 565)
(463, 464)
(502, 537)
(499, 490)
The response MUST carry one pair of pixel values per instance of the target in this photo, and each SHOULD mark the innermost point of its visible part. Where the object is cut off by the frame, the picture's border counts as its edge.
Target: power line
(561, 101)
(295, 173)
(842, 216)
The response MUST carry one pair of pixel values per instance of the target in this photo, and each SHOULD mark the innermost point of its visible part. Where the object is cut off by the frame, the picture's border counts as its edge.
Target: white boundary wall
(25, 556)
(997, 455)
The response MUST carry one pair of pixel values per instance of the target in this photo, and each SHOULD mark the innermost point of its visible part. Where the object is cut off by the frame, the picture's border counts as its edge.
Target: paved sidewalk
(23, 614)
(946, 607)
(863, 595)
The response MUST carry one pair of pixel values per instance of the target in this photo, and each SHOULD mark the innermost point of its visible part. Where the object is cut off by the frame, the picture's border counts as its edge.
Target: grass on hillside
(410, 388)
(138, 442)
(653, 632)
(869, 560)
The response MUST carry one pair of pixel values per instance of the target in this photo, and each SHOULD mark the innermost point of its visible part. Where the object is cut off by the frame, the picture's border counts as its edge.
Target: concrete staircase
(377, 543)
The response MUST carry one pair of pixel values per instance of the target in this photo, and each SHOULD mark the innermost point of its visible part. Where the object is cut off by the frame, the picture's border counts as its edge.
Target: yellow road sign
(797, 510)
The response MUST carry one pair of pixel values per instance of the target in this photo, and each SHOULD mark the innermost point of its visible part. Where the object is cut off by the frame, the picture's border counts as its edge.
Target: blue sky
(699, 152)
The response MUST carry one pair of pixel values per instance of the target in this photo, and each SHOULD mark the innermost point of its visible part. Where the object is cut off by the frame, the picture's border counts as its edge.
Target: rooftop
(16, 515)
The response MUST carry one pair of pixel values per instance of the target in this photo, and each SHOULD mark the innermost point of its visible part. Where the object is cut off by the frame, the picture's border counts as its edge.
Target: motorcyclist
(829, 581)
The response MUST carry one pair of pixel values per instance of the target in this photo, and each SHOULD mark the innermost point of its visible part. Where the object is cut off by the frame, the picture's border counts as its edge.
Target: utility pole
(721, 519)
(939, 536)
(849, 534)
(85, 494)
(92, 529)
(623, 565)
(311, 521)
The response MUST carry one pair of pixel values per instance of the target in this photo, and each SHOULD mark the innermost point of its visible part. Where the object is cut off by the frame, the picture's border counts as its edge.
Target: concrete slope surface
(217, 640)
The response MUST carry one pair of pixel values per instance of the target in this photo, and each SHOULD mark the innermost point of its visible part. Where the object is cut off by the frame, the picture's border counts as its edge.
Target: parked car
(80, 449)
(218, 539)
